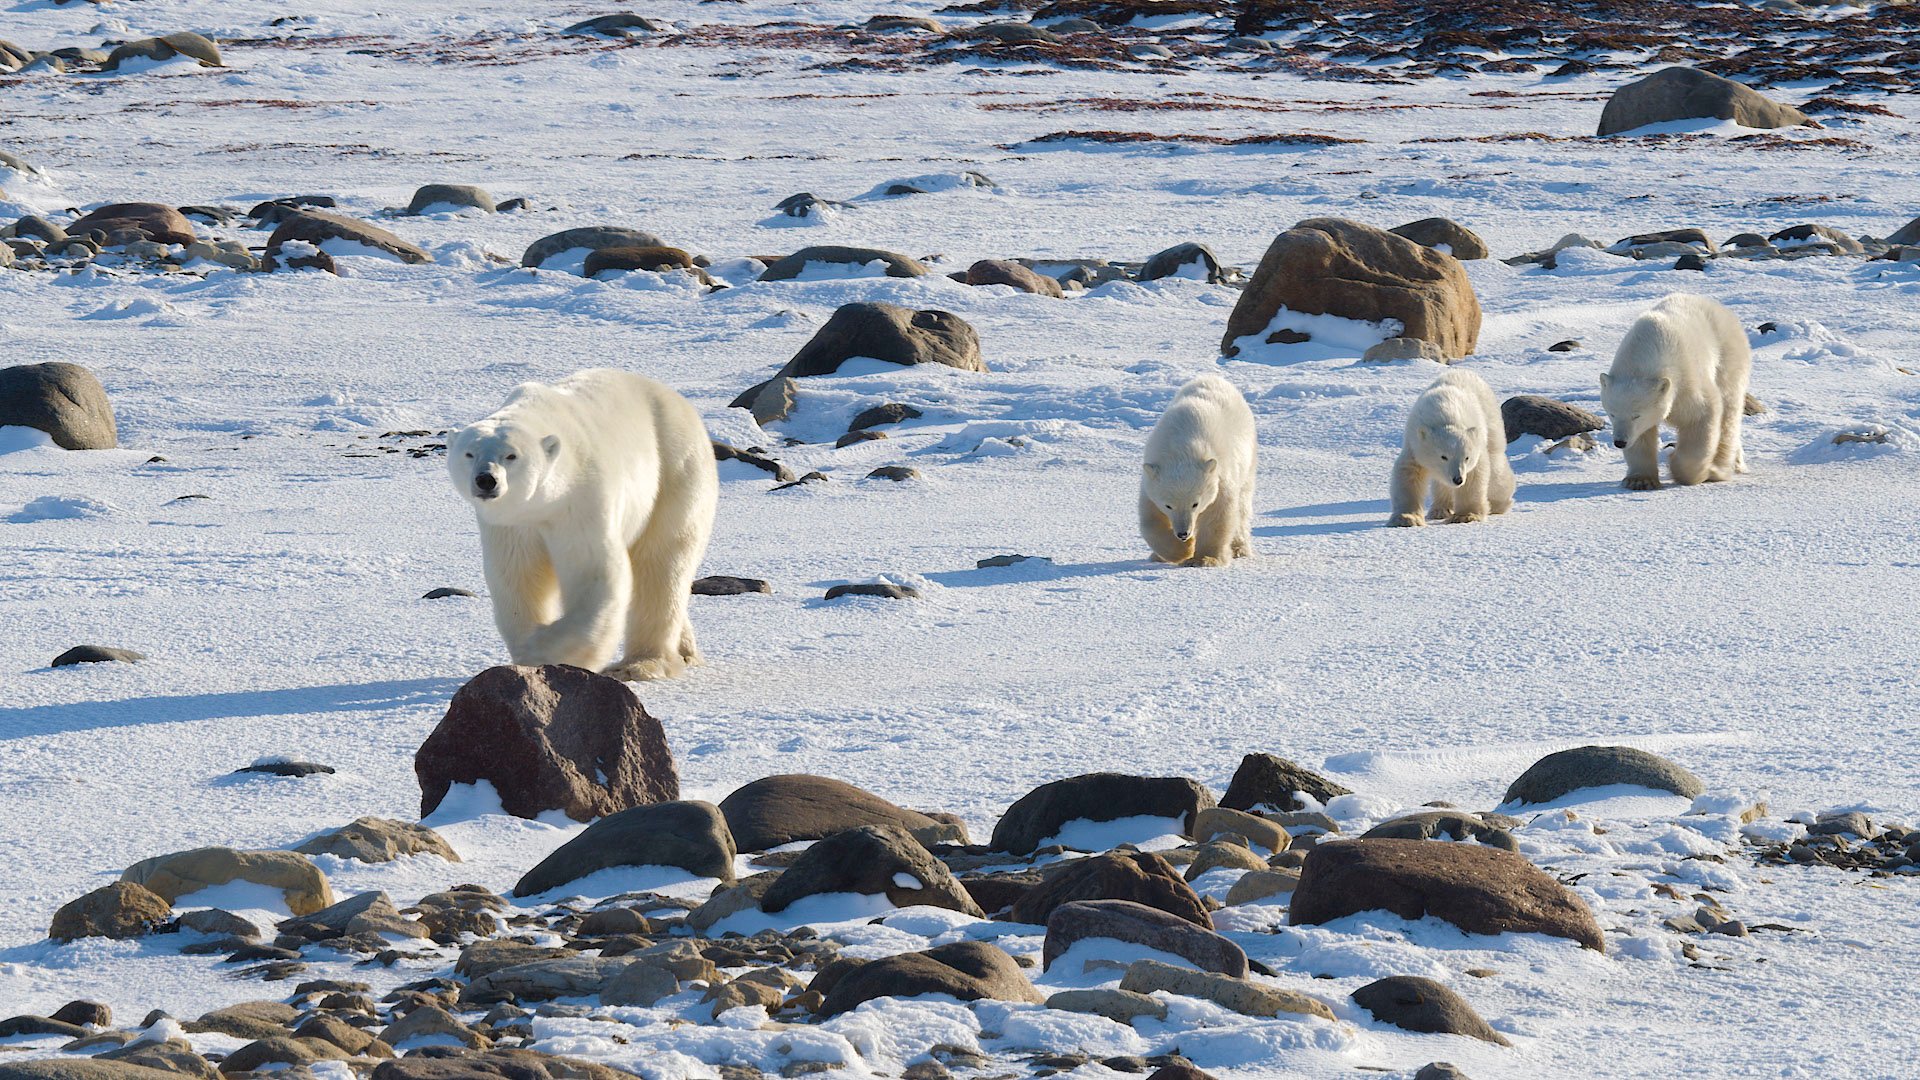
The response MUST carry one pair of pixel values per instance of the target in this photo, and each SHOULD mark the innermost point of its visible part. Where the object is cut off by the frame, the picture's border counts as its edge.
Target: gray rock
(880, 331)
(690, 835)
(63, 400)
(1247, 998)
(624, 24)
(778, 810)
(1417, 1004)
(1170, 262)
(1681, 93)
(1120, 1006)
(96, 654)
(885, 590)
(247, 1020)
(1435, 232)
(363, 913)
(731, 900)
(590, 237)
(724, 585)
(462, 195)
(790, 267)
(1040, 813)
(1124, 920)
(1802, 237)
(1441, 1070)
(318, 227)
(542, 980)
(80, 1069)
(1403, 348)
(1266, 780)
(1445, 825)
(1567, 771)
(871, 859)
(1532, 414)
(1850, 823)
(967, 970)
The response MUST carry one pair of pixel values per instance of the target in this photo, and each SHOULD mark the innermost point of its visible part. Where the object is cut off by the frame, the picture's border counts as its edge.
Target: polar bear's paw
(1466, 517)
(665, 667)
(1406, 521)
(1642, 483)
(1206, 560)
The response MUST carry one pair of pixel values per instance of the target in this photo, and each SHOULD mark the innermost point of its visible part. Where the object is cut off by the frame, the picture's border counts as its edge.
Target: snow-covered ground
(1761, 632)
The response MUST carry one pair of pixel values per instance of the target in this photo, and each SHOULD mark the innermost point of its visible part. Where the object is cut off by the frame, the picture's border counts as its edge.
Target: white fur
(1196, 491)
(1455, 443)
(1685, 364)
(606, 488)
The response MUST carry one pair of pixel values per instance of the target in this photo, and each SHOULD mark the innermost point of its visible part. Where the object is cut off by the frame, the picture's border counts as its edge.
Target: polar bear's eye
(469, 455)
(1196, 506)
(513, 457)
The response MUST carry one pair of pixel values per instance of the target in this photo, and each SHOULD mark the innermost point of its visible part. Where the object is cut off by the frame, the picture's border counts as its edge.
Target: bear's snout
(486, 486)
(1459, 478)
(1619, 444)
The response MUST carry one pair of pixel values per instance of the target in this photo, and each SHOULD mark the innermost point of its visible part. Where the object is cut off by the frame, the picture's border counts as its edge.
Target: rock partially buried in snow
(893, 412)
(880, 331)
(1215, 820)
(1184, 260)
(1403, 348)
(690, 835)
(183, 873)
(318, 227)
(378, 840)
(1332, 266)
(1257, 885)
(1442, 233)
(96, 654)
(967, 970)
(64, 400)
(1266, 780)
(871, 860)
(885, 590)
(1531, 414)
(1138, 924)
(428, 197)
(120, 910)
(362, 913)
(1419, 1004)
(588, 237)
(1568, 771)
(723, 585)
(548, 738)
(165, 47)
(157, 222)
(1479, 889)
(1142, 877)
(1040, 813)
(777, 810)
(657, 260)
(1682, 93)
(1446, 825)
(893, 264)
(1002, 272)
(624, 24)
(1119, 1006)
(1246, 998)
(285, 768)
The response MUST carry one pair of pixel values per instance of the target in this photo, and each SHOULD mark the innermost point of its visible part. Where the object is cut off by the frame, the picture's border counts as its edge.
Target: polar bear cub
(1196, 491)
(595, 497)
(1684, 363)
(1457, 441)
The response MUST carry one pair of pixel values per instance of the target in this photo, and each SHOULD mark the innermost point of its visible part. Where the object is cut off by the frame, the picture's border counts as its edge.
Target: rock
(690, 835)
(1138, 924)
(1444, 824)
(33, 226)
(1440, 1070)
(291, 769)
(882, 24)
(896, 265)
(1567, 771)
(1440, 233)
(63, 400)
(378, 840)
(774, 400)
(96, 654)
(1012, 33)
(1142, 877)
(1040, 813)
(171, 1056)
(870, 860)
(80, 1069)
(1416, 1004)
(1331, 266)
(886, 332)
(165, 47)
(40, 1025)
(506, 1064)
(1174, 262)
(1002, 272)
(886, 590)
(967, 970)
(121, 910)
(317, 227)
(624, 24)
(353, 1040)
(591, 237)
(725, 901)
(1403, 348)
(457, 195)
(1216, 820)
(1531, 414)
(362, 913)
(273, 210)
(1803, 237)
(722, 585)
(1266, 780)
(1119, 1006)
(541, 980)
(1681, 93)
(658, 260)
(280, 1051)
(216, 922)
(778, 810)
(723, 452)
(1847, 823)
(484, 957)
(1257, 885)
(429, 1021)
(182, 873)
(154, 221)
(853, 437)
(1231, 855)
(549, 738)
(85, 1013)
(247, 1020)
(893, 412)
(1481, 890)
(1246, 998)
(896, 473)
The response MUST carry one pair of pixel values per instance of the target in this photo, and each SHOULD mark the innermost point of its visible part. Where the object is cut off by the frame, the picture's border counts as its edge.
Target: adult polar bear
(595, 497)
(1684, 363)
(1196, 489)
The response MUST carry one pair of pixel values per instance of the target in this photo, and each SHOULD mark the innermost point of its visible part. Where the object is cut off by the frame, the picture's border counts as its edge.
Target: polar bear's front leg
(1643, 461)
(1408, 480)
(1157, 531)
(519, 581)
(596, 584)
(1695, 446)
(1214, 533)
(1470, 498)
(1243, 536)
(1729, 457)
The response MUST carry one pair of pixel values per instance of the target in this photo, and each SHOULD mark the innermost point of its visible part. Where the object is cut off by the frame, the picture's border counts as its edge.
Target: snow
(1759, 632)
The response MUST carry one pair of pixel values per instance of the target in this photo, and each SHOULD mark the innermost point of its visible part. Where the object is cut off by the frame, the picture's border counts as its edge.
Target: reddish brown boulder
(776, 810)
(1002, 272)
(317, 227)
(549, 738)
(656, 259)
(1142, 877)
(120, 910)
(1481, 890)
(161, 224)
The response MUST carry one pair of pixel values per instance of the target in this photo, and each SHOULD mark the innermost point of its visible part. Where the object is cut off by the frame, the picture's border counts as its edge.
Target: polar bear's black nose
(1619, 444)
(486, 485)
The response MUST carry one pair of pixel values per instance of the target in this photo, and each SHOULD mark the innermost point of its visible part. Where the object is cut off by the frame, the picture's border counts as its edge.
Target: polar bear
(1683, 363)
(1196, 491)
(595, 497)
(1455, 439)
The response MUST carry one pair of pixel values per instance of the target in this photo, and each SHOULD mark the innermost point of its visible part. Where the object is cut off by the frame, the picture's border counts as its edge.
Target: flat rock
(247, 1020)
(1003, 272)
(967, 970)
(549, 738)
(165, 47)
(542, 980)
(1266, 780)
(378, 840)
(64, 400)
(590, 237)
(790, 267)
(156, 221)
(182, 873)
(690, 835)
(1119, 1006)
(316, 227)
(885, 590)
(96, 654)
(1481, 890)
(1682, 93)
(1419, 1004)
(1124, 920)
(871, 860)
(428, 196)
(777, 810)
(1142, 877)
(1239, 995)
(1215, 820)
(1040, 813)
(1445, 825)
(291, 769)
(1568, 771)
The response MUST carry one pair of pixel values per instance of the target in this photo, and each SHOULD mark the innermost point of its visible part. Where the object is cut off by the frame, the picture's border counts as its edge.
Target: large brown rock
(689, 835)
(548, 738)
(871, 859)
(1332, 266)
(1481, 890)
(1124, 920)
(161, 224)
(1418, 1004)
(657, 259)
(182, 873)
(318, 226)
(886, 332)
(1566, 771)
(776, 810)
(1682, 93)
(165, 47)
(119, 910)
(1002, 272)
(63, 400)
(1142, 877)
(83, 1068)
(967, 970)
(1267, 780)
(1461, 242)
(1040, 813)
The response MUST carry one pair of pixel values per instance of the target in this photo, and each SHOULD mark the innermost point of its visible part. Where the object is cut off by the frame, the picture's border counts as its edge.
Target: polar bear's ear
(551, 444)
(1665, 385)
(1152, 469)
(1473, 432)
(1210, 465)
(1606, 380)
